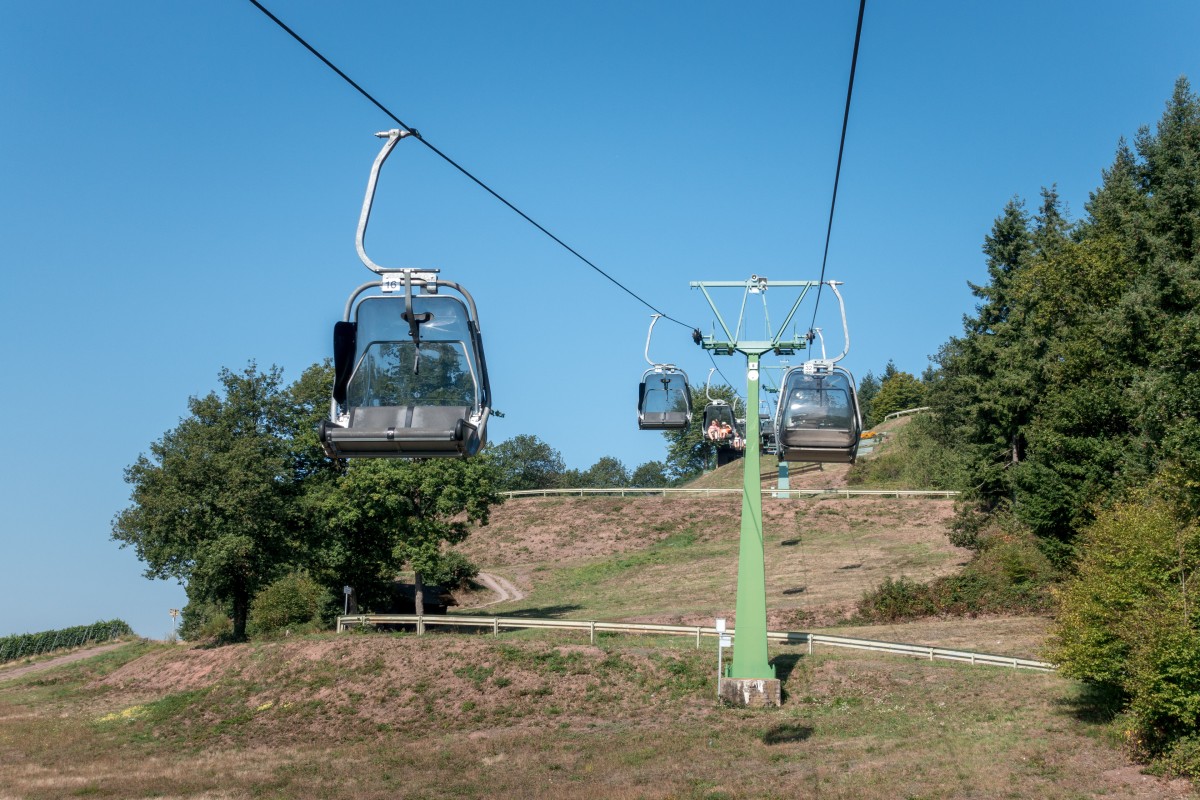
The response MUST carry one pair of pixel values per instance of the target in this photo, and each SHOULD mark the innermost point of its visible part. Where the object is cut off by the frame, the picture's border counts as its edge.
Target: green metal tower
(750, 659)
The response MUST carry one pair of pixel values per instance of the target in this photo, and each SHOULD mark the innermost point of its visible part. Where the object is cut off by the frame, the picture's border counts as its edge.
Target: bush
(1009, 575)
(896, 600)
(1182, 758)
(292, 601)
(1125, 622)
(910, 458)
(453, 570)
(205, 620)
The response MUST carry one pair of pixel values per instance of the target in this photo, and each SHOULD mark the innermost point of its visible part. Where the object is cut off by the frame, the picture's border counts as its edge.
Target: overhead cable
(416, 134)
(862, 7)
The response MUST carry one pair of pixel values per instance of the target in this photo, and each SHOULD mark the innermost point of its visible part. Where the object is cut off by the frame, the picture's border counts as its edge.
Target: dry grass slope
(386, 716)
(674, 559)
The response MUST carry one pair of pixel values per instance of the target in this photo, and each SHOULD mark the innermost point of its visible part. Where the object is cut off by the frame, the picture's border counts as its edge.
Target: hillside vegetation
(397, 716)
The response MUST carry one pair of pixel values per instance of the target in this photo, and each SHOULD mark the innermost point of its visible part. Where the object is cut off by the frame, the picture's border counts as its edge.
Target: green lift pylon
(750, 659)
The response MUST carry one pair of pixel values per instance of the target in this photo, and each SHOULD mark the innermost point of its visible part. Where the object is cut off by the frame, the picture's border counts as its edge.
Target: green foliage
(1078, 375)
(384, 514)
(452, 570)
(1182, 757)
(650, 475)
(606, 473)
(868, 387)
(526, 462)
(293, 600)
(205, 620)
(1010, 575)
(898, 392)
(1127, 619)
(911, 458)
(214, 503)
(898, 599)
(24, 645)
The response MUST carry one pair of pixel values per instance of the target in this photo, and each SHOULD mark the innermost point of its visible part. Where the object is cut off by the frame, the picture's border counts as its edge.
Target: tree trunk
(241, 610)
(418, 594)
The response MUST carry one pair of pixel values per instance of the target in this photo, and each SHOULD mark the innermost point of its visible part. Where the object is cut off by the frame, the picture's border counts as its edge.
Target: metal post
(750, 658)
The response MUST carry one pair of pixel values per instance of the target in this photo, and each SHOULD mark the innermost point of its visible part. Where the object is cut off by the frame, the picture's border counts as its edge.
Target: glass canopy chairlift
(818, 417)
(664, 395)
(410, 379)
(720, 412)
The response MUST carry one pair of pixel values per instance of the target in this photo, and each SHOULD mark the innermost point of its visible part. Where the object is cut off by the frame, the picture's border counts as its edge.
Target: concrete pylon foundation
(752, 692)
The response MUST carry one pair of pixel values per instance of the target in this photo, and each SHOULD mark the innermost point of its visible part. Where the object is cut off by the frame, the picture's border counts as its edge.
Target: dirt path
(78, 655)
(503, 588)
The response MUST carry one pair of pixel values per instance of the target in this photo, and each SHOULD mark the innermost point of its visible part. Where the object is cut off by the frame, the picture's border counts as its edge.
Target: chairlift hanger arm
(845, 328)
(393, 136)
(654, 318)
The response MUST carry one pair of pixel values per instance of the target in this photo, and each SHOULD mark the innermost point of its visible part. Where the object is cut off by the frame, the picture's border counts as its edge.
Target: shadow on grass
(784, 664)
(789, 543)
(543, 611)
(786, 733)
(1094, 704)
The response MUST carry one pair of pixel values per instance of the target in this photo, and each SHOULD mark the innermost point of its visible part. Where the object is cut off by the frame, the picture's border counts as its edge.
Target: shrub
(1182, 758)
(895, 600)
(1125, 622)
(205, 620)
(453, 570)
(1009, 575)
(293, 600)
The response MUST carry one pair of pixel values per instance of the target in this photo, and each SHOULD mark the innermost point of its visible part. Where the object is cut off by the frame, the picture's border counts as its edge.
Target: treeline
(25, 645)
(527, 462)
(1069, 408)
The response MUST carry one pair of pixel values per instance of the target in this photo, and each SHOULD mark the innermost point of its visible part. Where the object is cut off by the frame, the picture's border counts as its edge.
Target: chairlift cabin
(408, 390)
(818, 418)
(664, 395)
(720, 414)
(664, 399)
(410, 379)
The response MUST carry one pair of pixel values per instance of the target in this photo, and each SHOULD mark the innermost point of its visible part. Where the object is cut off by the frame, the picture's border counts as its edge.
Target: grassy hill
(674, 558)
(543, 716)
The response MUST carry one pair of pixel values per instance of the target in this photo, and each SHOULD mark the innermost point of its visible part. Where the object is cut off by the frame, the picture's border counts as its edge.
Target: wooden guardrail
(782, 493)
(496, 624)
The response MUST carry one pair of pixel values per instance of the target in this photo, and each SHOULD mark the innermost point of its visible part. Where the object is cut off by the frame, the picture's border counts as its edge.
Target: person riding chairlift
(714, 430)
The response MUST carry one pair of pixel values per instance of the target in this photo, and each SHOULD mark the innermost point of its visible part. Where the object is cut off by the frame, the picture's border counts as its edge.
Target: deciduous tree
(214, 501)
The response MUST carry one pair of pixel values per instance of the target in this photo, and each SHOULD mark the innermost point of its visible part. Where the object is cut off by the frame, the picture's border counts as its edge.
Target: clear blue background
(181, 182)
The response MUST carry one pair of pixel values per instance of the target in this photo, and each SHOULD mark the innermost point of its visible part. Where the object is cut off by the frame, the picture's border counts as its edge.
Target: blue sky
(180, 183)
